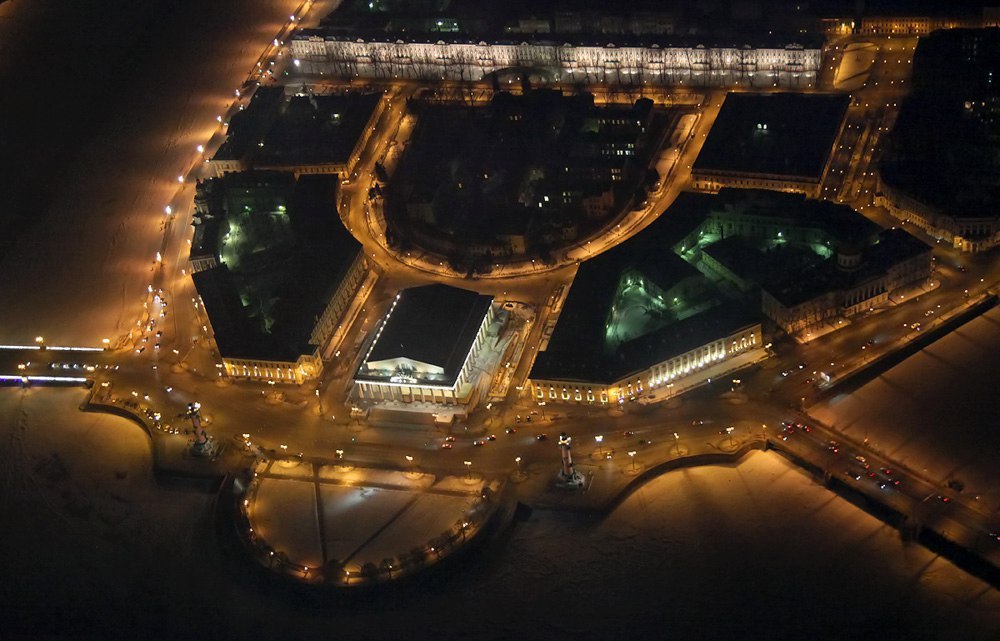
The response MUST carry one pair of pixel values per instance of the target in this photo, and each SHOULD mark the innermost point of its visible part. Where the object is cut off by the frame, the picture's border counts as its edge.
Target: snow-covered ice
(756, 551)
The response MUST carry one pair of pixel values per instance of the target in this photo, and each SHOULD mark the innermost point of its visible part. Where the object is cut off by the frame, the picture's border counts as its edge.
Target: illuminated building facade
(969, 233)
(426, 347)
(627, 62)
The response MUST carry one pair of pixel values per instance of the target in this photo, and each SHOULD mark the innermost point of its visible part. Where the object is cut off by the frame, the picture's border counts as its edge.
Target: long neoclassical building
(640, 320)
(599, 59)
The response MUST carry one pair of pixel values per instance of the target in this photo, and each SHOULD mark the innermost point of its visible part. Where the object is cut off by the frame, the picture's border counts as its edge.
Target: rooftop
(952, 114)
(434, 324)
(786, 134)
(286, 262)
(300, 129)
(580, 349)
(894, 246)
(318, 129)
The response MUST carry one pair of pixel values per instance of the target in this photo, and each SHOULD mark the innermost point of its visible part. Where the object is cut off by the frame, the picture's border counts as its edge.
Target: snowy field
(935, 410)
(108, 120)
(754, 551)
(377, 514)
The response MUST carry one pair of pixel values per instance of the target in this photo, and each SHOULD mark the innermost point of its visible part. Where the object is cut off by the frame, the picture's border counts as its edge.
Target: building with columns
(620, 59)
(427, 346)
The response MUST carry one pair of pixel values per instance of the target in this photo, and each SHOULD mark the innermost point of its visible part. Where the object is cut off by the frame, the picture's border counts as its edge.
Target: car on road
(449, 439)
(854, 474)
(541, 437)
(834, 447)
(491, 437)
(887, 473)
(943, 498)
(511, 430)
(478, 442)
(446, 446)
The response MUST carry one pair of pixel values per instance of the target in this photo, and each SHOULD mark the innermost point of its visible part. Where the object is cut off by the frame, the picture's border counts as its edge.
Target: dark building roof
(297, 287)
(433, 324)
(297, 130)
(738, 255)
(317, 129)
(944, 145)
(786, 134)
(247, 127)
(234, 334)
(205, 241)
(638, 354)
(894, 246)
(577, 349)
(841, 223)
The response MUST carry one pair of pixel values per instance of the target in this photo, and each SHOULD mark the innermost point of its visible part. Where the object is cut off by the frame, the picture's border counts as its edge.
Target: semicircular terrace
(337, 524)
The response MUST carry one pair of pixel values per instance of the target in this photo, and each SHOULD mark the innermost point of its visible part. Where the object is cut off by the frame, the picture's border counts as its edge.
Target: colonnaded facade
(787, 65)
(665, 374)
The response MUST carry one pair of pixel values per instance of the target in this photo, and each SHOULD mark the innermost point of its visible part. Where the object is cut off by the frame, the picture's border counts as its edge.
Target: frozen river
(936, 410)
(757, 550)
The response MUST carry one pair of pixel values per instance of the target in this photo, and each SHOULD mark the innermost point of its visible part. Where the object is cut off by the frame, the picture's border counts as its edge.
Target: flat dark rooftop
(894, 246)
(840, 222)
(785, 134)
(318, 129)
(577, 351)
(234, 334)
(638, 354)
(247, 127)
(296, 288)
(299, 129)
(433, 324)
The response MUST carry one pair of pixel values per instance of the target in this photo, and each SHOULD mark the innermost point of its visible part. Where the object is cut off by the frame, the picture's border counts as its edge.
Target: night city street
(566, 320)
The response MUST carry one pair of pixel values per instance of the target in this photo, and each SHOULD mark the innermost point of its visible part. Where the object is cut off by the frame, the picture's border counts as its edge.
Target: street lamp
(631, 455)
(600, 448)
(340, 455)
(729, 431)
(468, 468)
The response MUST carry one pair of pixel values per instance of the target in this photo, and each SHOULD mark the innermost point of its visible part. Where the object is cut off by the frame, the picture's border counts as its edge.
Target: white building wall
(663, 375)
(790, 66)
